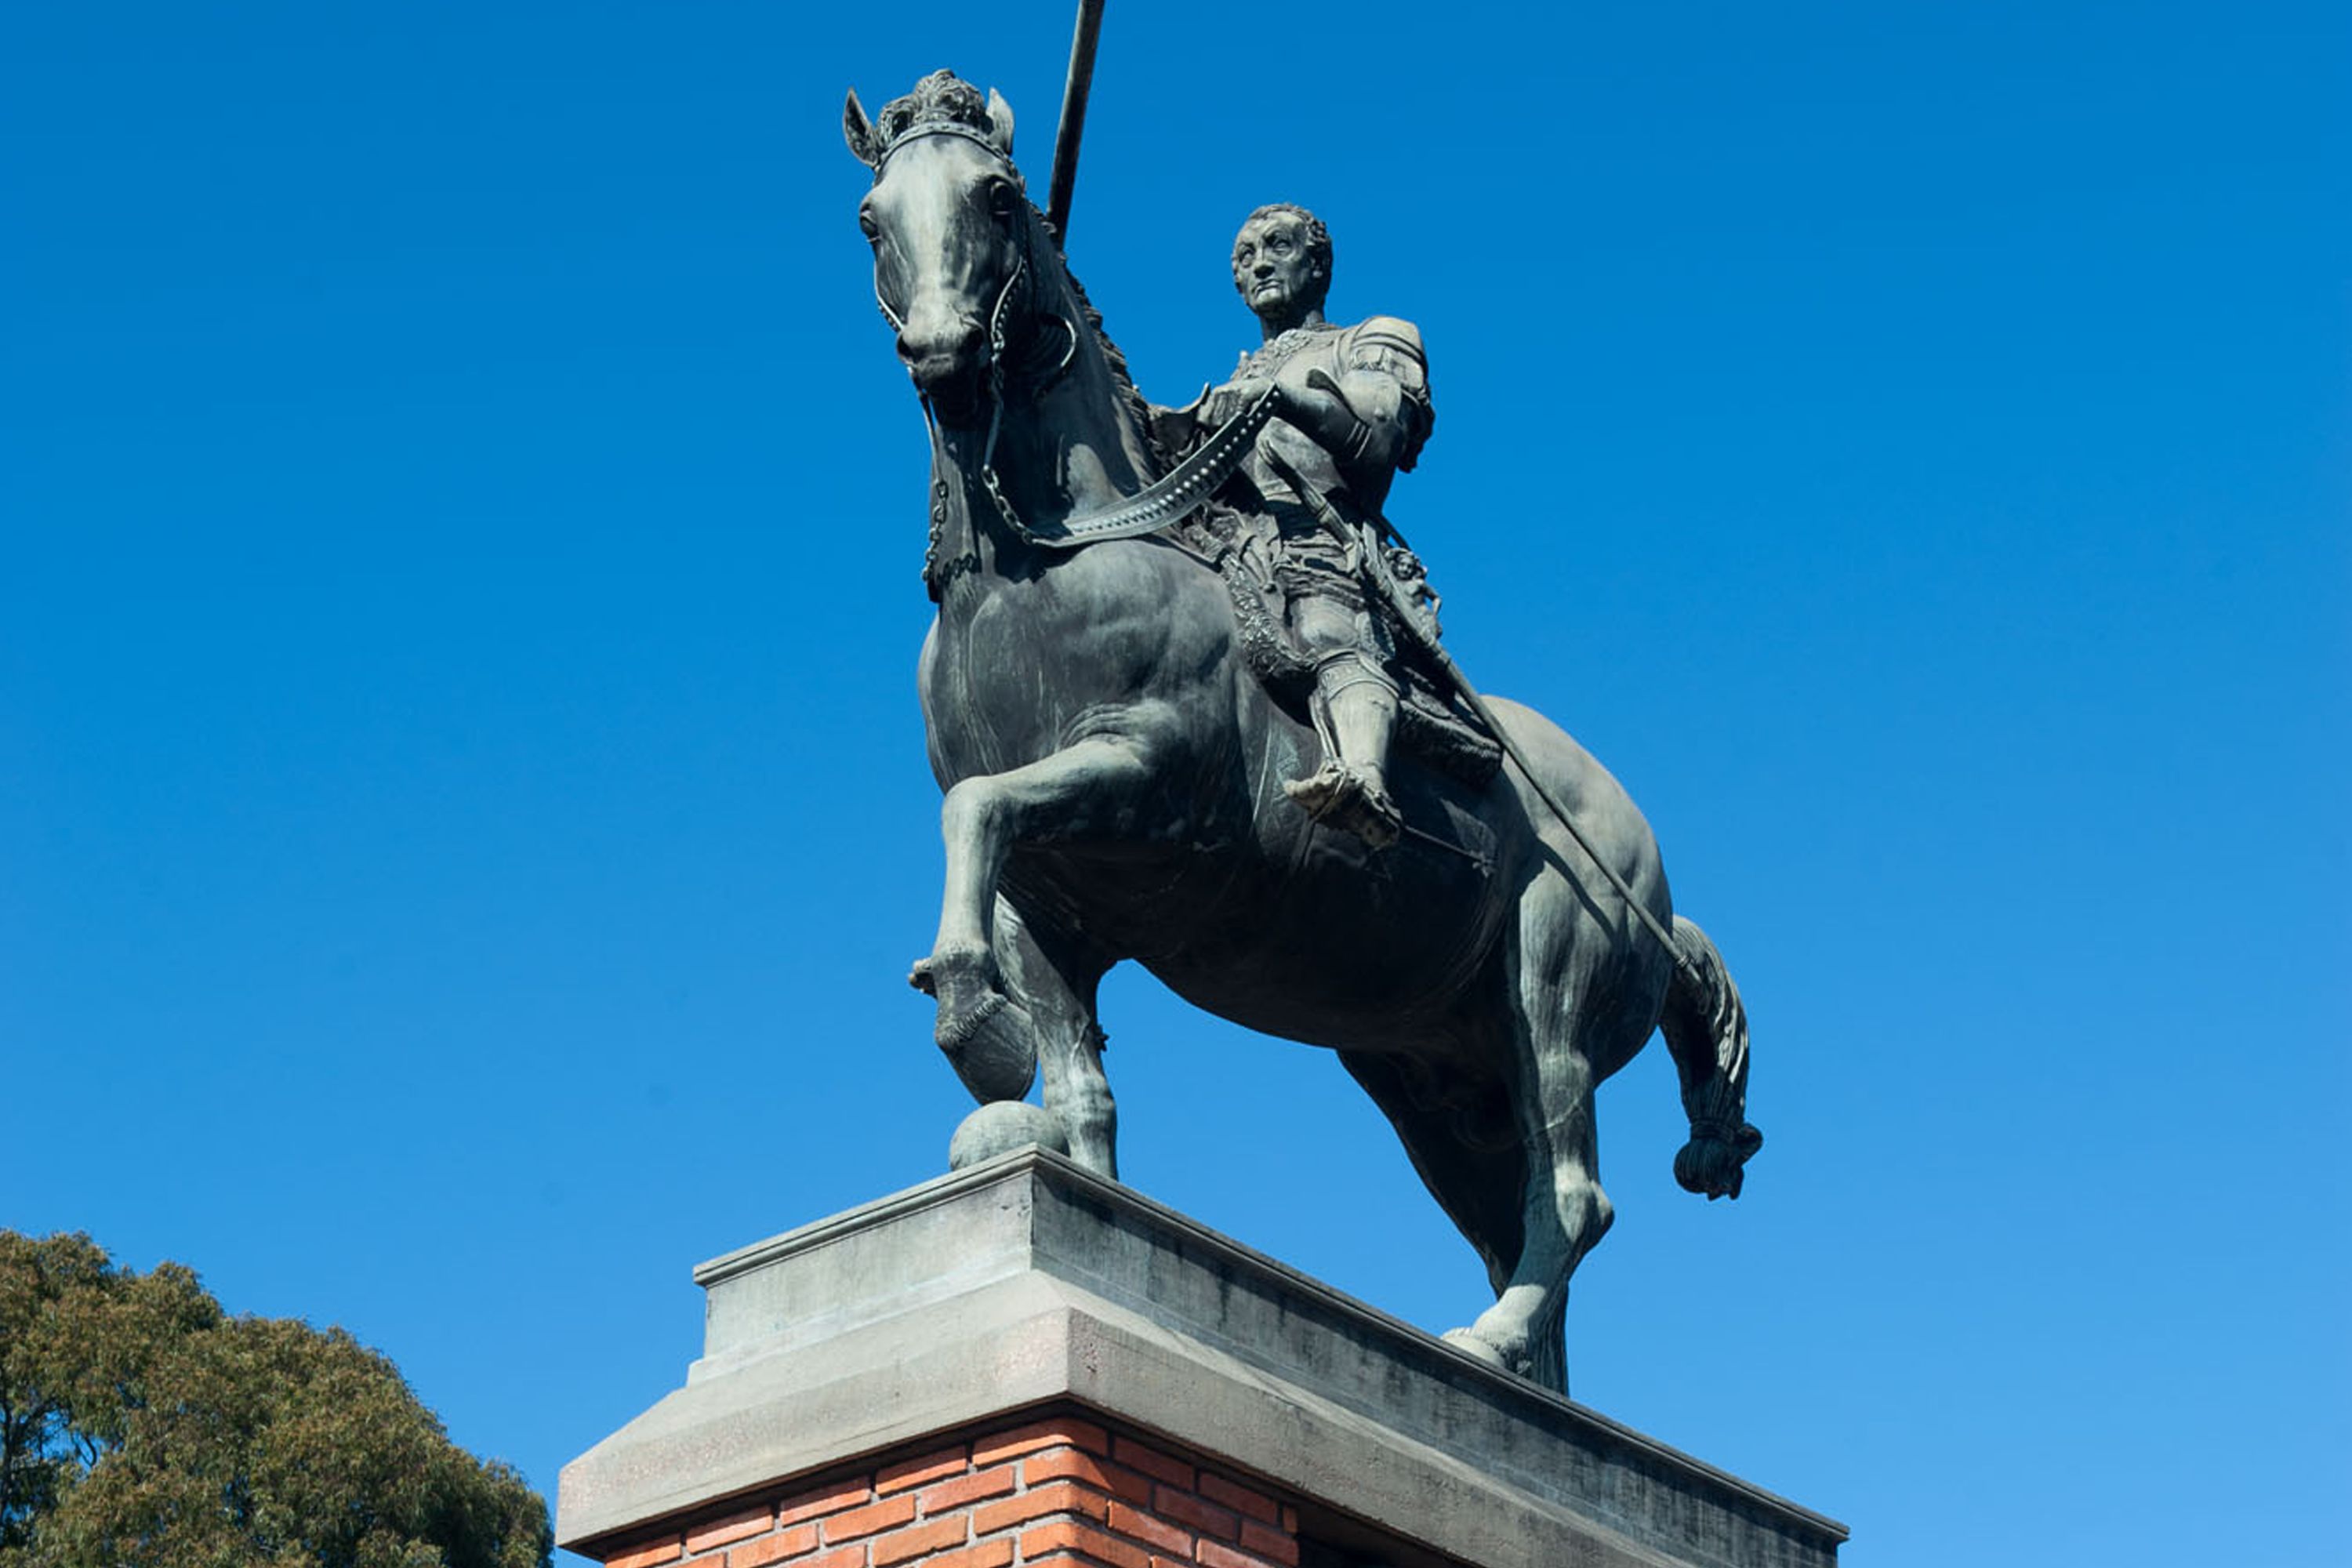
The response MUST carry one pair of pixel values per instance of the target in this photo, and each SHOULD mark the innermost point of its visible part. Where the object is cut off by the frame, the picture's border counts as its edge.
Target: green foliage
(141, 1426)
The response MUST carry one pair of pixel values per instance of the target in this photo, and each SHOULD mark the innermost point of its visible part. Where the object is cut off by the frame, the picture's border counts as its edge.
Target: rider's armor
(1324, 507)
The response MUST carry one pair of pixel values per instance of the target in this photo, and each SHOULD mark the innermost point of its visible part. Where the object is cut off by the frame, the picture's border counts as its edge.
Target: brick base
(1066, 1490)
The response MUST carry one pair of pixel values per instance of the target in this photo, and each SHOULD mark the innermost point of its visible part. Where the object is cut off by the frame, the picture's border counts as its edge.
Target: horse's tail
(1706, 1028)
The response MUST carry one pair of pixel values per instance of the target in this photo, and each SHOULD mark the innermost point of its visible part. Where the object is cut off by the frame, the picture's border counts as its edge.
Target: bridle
(1166, 501)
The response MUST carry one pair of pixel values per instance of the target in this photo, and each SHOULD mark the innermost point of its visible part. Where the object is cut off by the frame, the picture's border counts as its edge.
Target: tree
(141, 1426)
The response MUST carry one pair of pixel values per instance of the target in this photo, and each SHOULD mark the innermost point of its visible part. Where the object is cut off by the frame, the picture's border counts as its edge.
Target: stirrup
(1339, 794)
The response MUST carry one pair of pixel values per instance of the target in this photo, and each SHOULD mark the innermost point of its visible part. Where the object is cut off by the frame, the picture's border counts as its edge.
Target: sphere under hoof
(1003, 1126)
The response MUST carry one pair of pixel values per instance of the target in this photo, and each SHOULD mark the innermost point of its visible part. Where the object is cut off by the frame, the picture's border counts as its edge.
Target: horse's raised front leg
(1083, 790)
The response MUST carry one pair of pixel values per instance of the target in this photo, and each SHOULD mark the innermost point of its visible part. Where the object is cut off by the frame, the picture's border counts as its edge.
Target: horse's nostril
(918, 345)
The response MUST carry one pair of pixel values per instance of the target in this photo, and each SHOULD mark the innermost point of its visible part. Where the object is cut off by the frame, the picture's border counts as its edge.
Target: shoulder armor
(1391, 332)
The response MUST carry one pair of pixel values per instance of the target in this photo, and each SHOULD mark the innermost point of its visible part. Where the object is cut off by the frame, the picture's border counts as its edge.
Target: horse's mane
(1137, 410)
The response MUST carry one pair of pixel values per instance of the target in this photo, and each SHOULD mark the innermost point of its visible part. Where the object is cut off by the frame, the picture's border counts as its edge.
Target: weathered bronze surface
(1185, 713)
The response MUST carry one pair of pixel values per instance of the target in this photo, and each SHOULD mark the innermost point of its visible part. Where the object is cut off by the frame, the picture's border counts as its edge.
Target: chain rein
(999, 334)
(1174, 496)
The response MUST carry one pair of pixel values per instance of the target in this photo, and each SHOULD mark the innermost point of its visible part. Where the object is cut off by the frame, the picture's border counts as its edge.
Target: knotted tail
(1706, 1028)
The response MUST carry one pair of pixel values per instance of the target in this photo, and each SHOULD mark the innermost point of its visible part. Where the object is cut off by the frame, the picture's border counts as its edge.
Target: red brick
(967, 1488)
(1205, 1517)
(1210, 1554)
(987, 1554)
(1052, 1432)
(847, 1557)
(887, 1514)
(1240, 1498)
(1290, 1518)
(1151, 1462)
(1068, 1535)
(826, 1499)
(1060, 1496)
(668, 1549)
(1267, 1541)
(901, 1544)
(908, 1473)
(1151, 1531)
(1055, 1463)
(734, 1527)
(774, 1548)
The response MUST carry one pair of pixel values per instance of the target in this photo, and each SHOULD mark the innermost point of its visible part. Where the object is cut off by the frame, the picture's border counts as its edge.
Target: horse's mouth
(952, 383)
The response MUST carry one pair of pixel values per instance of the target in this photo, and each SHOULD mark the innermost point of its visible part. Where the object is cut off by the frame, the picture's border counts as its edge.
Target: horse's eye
(1002, 199)
(867, 226)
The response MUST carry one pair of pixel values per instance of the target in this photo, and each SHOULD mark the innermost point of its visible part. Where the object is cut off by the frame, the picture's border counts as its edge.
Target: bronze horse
(1113, 773)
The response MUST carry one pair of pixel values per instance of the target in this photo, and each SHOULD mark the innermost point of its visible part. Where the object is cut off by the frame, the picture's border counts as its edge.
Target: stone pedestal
(1024, 1363)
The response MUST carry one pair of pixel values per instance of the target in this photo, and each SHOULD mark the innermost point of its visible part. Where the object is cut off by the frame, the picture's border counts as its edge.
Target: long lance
(1385, 582)
(1469, 693)
(1073, 118)
(1064, 184)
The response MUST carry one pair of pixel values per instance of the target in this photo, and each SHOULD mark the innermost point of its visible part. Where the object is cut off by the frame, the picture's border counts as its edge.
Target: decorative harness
(1166, 501)
(1177, 493)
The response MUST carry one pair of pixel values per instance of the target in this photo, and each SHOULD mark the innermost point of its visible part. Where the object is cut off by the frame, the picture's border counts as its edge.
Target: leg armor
(1355, 707)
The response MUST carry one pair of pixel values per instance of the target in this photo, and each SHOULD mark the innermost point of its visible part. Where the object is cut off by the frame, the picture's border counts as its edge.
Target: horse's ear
(1000, 121)
(858, 132)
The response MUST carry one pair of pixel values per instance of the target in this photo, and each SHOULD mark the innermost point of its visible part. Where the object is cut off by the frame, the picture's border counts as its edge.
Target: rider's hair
(1318, 238)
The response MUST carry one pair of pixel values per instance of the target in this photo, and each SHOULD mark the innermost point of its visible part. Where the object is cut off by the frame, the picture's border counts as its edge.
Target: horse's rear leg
(1083, 790)
(1457, 1127)
(1558, 1040)
(1565, 1216)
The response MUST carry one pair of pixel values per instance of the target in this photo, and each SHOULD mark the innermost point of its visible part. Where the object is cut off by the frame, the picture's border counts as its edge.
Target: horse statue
(1113, 764)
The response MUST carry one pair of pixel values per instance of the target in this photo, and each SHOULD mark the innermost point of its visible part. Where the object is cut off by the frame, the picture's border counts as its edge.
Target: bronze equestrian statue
(1127, 678)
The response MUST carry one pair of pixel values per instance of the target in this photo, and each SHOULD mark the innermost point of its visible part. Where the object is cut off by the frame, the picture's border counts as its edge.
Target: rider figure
(1353, 409)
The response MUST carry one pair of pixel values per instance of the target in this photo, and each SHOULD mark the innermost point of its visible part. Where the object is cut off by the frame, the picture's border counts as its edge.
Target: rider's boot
(1350, 791)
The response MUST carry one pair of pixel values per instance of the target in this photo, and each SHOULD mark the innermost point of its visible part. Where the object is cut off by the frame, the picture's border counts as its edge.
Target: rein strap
(1175, 494)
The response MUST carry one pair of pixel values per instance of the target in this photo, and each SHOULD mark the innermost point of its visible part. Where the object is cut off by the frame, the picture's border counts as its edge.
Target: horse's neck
(1070, 446)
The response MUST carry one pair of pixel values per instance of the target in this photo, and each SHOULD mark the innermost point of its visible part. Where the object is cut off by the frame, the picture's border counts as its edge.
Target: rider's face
(1272, 267)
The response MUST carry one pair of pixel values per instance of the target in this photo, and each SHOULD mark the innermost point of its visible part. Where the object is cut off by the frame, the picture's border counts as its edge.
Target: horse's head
(947, 222)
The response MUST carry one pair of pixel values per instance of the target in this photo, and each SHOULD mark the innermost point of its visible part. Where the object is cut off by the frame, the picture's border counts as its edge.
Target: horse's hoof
(1516, 1354)
(1476, 1344)
(987, 1039)
(990, 1047)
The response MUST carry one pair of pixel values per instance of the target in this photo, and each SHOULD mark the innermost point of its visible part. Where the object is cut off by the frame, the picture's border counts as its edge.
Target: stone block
(1026, 1312)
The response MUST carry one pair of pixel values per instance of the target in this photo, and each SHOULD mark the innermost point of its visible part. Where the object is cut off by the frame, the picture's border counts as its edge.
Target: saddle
(1432, 723)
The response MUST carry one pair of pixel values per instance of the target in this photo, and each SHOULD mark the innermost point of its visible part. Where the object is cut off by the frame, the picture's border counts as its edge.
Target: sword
(1074, 118)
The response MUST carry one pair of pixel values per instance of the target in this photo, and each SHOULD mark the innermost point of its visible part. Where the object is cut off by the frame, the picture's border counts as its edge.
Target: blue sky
(465, 826)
